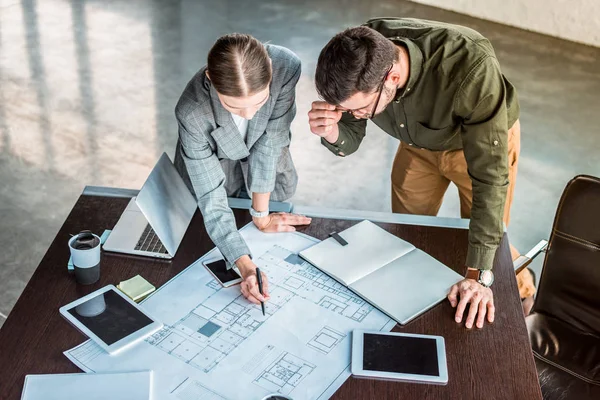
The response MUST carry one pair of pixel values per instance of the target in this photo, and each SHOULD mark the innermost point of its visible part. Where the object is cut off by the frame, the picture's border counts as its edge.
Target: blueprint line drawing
(196, 391)
(326, 339)
(311, 284)
(212, 330)
(87, 354)
(215, 345)
(255, 362)
(284, 374)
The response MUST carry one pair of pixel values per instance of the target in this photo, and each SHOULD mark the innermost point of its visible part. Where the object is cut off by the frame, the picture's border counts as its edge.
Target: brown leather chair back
(569, 288)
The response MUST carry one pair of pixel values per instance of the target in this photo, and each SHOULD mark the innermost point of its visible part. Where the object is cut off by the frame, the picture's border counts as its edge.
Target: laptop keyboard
(150, 242)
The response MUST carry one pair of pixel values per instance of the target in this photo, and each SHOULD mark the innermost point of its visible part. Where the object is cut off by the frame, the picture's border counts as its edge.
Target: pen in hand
(260, 288)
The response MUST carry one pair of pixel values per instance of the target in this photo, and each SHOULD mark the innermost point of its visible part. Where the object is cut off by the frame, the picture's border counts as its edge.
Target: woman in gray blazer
(234, 121)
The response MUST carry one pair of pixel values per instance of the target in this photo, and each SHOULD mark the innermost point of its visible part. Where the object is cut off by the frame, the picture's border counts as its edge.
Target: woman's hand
(249, 285)
(280, 222)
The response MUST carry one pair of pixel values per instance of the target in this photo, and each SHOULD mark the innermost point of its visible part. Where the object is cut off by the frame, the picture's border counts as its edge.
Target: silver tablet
(110, 319)
(399, 356)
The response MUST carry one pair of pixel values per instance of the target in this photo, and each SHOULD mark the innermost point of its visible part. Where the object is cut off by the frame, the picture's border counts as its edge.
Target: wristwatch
(485, 277)
(258, 214)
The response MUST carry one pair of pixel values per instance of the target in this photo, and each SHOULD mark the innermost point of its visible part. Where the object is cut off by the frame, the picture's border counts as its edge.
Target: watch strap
(475, 274)
(472, 274)
(258, 214)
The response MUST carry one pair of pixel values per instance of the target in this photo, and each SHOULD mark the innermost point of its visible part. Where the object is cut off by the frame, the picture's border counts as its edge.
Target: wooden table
(492, 363)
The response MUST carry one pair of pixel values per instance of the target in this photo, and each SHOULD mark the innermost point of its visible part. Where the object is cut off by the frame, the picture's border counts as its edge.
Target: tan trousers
(421, 177)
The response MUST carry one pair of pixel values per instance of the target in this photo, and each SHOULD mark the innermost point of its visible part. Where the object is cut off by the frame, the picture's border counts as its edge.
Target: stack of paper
(136, 288)
(120, 386)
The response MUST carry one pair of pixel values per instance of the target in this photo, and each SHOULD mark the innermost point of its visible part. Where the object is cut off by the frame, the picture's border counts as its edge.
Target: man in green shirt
(437, 88)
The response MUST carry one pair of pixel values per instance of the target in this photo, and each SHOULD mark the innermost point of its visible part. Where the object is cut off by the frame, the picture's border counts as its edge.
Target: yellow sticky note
(136, 288)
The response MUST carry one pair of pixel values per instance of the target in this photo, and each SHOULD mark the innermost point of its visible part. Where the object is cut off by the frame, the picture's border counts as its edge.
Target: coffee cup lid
(85, 240)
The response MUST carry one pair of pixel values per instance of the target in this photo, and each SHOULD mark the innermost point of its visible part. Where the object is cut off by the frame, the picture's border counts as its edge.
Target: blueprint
(216, 345)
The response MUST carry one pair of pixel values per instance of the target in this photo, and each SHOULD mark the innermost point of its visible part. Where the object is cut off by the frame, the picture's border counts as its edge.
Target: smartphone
(226, 277)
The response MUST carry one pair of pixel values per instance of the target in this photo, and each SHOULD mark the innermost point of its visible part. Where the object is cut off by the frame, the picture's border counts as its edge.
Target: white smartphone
(226, 277)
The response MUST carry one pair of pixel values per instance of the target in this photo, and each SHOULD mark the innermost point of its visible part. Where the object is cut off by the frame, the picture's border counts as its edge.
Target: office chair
(564, 325)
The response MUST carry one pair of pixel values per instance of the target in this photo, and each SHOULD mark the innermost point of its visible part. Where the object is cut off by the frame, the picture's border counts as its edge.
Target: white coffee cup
(86, 258)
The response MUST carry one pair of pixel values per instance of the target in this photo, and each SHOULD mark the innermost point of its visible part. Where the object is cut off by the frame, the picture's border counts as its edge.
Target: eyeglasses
(380, 91)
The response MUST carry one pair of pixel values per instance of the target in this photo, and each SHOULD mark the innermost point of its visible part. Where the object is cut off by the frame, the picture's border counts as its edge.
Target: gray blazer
(208, 136)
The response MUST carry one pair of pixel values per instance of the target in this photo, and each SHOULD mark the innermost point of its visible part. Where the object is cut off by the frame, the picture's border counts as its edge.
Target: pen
(260, 289)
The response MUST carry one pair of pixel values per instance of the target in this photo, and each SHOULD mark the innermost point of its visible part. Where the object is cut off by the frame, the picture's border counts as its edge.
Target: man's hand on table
(280, 222)
(481, 300)
(249, 285)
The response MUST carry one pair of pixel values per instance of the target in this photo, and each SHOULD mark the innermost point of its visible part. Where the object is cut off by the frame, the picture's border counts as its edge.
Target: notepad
(136, 288)
(119, 386)
(388, 272)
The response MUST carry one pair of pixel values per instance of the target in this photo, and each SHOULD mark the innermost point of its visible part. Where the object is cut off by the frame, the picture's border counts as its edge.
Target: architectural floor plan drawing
(299, 277)
(213, 329)
(217, 345)
(284, 374)
(195, 390)
(326, 340)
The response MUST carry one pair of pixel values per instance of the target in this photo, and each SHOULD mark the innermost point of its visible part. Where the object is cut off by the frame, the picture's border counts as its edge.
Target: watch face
(486, 277)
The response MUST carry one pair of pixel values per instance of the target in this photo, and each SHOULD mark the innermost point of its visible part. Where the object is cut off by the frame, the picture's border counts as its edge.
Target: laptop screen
(167, 203)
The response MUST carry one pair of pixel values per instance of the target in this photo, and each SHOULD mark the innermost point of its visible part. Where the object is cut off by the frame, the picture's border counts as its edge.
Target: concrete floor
(87, 91)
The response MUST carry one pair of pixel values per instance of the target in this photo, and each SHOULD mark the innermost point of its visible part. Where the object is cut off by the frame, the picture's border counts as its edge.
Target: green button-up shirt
(456, 98)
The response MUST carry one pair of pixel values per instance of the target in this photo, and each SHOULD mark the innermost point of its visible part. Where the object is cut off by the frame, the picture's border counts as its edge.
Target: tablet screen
(400, 354)
(110, 317)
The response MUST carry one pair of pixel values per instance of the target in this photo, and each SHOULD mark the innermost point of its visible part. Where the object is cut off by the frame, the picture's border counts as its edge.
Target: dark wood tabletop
(495, 362)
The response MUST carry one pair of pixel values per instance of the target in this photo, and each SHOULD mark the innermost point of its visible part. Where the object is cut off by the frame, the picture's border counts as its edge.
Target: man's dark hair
(354, 61)
(239, 65)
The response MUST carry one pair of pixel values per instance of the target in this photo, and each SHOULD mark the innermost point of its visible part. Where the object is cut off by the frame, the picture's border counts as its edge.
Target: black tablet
(399, 356)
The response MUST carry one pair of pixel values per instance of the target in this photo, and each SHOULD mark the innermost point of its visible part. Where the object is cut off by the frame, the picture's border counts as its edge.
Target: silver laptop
(154, 222)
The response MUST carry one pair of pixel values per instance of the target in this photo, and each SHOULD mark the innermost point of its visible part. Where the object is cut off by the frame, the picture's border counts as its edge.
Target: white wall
(576, 20)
